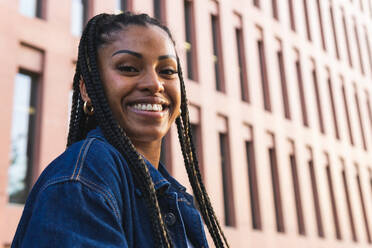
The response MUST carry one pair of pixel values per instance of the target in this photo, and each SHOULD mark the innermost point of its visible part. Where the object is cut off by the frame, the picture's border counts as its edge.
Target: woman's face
(139, 75)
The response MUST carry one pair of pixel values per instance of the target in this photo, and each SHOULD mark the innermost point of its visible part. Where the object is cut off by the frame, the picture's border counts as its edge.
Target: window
(275, 9)
(346, 38)
(316, 201)
(32, 8)
(217, 53)
(264, 79)
(197, 140)
(333, 200)
(124, 5)
(276, 188)
(347, 114)
(23, 136)
(253, 185)
(318, 101)
(190, 40)
(369, 109)
(159, 10)
(307, 21)
(369, 51)
(333, 107)
(283, 81)
(364, 211)
(358, 47)
(301, 93)
(80, 13)
(242, 64)
(348, 202)
(356, 98)
(297, 193)
(335, 38)
(320, 16)
(291, 15)
(256, 3)
(227, 185)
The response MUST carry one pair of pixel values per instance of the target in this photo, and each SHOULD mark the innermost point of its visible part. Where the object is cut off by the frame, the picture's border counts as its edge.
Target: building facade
(280, 98)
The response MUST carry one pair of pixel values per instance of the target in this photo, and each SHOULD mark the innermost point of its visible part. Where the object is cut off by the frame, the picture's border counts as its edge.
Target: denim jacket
(86, 198)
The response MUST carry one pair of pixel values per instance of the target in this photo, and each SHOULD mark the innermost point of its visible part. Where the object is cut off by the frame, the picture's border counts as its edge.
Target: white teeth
(148, 107)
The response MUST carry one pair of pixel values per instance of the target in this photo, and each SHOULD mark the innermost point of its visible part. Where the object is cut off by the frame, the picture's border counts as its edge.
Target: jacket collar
(161, 178)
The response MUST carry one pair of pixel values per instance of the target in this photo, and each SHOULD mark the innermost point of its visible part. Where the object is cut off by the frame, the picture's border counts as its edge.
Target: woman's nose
(152, 82)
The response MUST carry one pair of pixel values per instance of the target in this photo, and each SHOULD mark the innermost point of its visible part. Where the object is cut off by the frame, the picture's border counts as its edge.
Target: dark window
(197, 140)
(307, 21)
(23, 136)
(253, 186)
(333, 107)
(335, 39)
(242, 65)
(318, 101)
(217, 54)
(346, 106)
(32, 8)
(297, 195)
(364, 211)
(283, 81)
(256, 3)
(159, 10)
(349, 208)
(356, 98)
(361, 5)
(124, 5)
(320, 16)
(314, 187)
(275, 9)
(80, 14)
(347, 39)
(190, 41)
(276, 190)
(358, 47)
(228, 197)
(291, 15)
(302, 93)
(333, 202)
(264, 79)
(369, 51)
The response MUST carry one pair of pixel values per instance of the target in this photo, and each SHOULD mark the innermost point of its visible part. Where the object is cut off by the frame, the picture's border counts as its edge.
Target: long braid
(96, 33)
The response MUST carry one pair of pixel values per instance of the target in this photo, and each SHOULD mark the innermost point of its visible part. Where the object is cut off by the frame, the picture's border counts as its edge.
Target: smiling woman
(108, 189)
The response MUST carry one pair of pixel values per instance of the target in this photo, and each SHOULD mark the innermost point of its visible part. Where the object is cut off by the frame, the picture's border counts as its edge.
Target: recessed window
(333, 107)
(22, 136)
(318, 101)
(334, 31)
(124, 5)
(227, 184)
(253, 185)
(197, 140)
(320, 19)
(291, 15)
(79, 15)
(359, 49)
(264, 77)
(347, 114)
(297, 195)
(166, 152)
(346, 34)
(159, 10)
(32, 8)
(283, 81)
(307, 21)
(275, 181)
(361, 126)
(305, 120)
(274, 4)
(217, 53)
(190, 40)
(242, 64)
(369, 51)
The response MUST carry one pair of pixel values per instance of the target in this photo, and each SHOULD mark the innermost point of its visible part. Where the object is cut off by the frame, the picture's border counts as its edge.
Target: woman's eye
(125, 68)
(168, 72)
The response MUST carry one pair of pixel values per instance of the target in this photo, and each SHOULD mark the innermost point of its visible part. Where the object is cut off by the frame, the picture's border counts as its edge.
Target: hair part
(101, 30)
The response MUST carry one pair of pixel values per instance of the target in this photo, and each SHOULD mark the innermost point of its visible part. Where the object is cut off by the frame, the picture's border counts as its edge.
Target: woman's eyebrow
(167, 57)
(138, 55)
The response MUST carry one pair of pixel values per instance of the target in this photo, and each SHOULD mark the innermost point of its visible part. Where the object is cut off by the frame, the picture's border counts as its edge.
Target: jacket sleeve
(71, 214)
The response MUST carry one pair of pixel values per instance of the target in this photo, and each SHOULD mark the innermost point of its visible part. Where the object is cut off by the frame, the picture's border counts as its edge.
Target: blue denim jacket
(87, 198)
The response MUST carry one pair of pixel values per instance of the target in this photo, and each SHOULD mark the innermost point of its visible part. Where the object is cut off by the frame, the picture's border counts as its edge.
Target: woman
(108, 188)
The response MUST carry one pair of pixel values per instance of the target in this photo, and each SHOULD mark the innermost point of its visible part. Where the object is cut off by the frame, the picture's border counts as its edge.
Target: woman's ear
(83, 91)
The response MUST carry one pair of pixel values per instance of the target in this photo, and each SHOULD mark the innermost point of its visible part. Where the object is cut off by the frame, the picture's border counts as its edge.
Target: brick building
(280, 102)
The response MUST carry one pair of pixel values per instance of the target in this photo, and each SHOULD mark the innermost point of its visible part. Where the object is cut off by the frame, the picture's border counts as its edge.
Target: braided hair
(99, 31)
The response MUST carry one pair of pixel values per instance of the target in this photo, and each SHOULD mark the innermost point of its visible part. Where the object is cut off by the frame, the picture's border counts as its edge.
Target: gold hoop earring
(88, 108)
